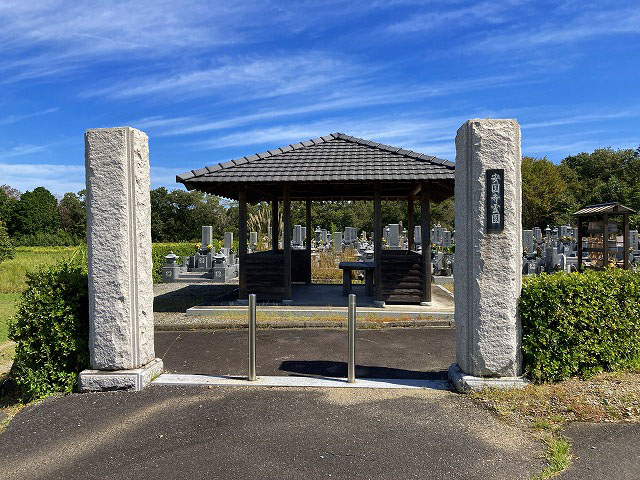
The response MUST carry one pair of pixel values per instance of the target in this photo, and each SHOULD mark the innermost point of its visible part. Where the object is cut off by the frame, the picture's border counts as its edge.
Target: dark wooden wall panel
(265, 276)
(402, 277)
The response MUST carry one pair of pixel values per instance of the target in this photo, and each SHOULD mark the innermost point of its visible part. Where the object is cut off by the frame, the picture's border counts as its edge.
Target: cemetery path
(417, 353)
(290, 433)
(604, 451)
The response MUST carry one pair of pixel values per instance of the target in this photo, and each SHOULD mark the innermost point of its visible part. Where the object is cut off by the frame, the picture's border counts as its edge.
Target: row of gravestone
(557, 249)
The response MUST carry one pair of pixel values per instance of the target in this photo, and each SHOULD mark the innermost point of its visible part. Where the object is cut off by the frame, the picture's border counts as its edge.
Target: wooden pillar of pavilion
(410, 224)
(275, 224)
(425, 238)
(377, 244)
(605, 240)
(286, 240)
(580, 237)
(242, 243)
(625, 241)
(308, 241)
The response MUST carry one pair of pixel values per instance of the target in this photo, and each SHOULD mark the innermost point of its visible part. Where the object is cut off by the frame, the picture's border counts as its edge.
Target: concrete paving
(411, 353)
(258, 433)
(604, 451)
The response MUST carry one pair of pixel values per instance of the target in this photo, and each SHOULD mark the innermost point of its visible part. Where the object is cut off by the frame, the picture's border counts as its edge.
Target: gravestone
(303, 232)
(417, 235)
(121, 348)
(297, 236)
(253, 240)
(207, 238)
(393, 237)
(228, 241)
(537, 234)
(446, 239)
(488, 264)
(527, 241)
(337, 242)
(633, 240)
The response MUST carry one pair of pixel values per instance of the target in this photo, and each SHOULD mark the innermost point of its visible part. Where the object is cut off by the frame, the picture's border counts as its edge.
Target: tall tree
(36, 211)
(73, 216)
(546, 197)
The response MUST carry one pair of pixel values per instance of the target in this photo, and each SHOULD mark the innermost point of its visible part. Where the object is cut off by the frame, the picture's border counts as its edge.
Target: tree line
(550, 194)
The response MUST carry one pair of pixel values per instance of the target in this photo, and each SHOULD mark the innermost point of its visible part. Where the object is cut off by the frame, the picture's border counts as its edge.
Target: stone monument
(488, 266)
(121, 345)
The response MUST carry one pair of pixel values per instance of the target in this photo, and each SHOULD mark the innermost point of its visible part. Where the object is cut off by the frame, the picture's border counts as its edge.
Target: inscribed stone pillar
(488, 266)
(120, 264)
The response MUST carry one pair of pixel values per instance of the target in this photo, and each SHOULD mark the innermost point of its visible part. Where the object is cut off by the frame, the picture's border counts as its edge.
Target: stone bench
(348, 267)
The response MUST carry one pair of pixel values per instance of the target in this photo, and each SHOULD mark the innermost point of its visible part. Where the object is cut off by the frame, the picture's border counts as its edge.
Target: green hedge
(161, 250)
(51, 331)
(580, 323)
(43, 239)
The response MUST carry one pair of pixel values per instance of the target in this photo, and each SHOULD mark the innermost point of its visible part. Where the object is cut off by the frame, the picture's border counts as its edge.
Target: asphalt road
(604, 451)
(264, 433)
(418, 353)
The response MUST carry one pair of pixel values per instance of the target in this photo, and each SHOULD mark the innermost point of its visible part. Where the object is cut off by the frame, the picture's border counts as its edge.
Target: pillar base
(243, 302)
(105, 380)
(378, 303)
(287, 302)
(426, 304)
(468, 383)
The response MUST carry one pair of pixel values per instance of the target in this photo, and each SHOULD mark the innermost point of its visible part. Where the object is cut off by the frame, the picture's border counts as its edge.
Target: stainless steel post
(351, 374)
(252, 337)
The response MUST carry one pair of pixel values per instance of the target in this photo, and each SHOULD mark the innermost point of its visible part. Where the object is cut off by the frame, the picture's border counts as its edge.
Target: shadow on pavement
(339, 369)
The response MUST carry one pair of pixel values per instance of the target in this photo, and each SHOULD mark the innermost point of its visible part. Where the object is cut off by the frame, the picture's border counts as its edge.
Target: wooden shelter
(600, 214)
(332, 167)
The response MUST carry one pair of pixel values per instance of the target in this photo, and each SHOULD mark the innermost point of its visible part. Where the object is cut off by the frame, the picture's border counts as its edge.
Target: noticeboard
(495, 200)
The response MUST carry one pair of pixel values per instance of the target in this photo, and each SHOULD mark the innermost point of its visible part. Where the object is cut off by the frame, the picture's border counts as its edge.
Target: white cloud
(22, 150)
(58, 179)
(9, 119)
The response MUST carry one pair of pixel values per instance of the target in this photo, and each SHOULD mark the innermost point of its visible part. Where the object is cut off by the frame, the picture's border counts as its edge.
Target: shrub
(7, 249)
(580, 323)
(161, 250)
(51, 331)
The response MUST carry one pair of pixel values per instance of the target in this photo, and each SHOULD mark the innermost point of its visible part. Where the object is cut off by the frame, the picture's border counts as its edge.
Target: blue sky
(209, 81)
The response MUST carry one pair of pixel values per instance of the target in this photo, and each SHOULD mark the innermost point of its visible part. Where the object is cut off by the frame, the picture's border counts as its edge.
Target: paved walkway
(604, 451)
(415, 353)
(257, 433)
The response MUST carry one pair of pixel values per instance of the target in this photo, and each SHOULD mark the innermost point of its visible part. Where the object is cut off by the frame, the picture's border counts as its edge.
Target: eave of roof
(614, 208)
(193, 174)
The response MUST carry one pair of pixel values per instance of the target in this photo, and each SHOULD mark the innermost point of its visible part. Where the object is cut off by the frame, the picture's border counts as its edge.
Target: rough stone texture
(488, 267)
(119, 247)
(134, 379)
(468, 383)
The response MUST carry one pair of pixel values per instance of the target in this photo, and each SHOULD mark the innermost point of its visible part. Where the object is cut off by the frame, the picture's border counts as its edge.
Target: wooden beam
(286, 240)
(425, 237)
(308, 241)
(275, 224)
(625, 241)
(242, 243)
(377, 242)
(410, 224)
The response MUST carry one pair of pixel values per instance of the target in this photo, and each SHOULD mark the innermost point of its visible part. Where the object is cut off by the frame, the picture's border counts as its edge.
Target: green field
(13, 275)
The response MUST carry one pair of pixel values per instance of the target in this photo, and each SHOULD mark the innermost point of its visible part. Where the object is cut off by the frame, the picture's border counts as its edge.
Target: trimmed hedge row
(580, 323)
(161, 250)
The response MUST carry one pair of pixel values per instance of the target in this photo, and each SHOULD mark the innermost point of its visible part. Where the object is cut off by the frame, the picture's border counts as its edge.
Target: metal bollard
(252, 337)
(351, 373)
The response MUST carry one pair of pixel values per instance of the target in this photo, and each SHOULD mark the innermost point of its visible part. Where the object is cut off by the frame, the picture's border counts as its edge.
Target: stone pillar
(488, 266)
(120, 265)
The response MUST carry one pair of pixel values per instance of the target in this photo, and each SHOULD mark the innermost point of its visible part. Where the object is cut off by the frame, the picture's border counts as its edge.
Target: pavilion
(332, 167)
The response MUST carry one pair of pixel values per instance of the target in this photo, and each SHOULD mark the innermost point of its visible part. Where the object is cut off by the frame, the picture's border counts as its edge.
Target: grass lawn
(13, 276)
